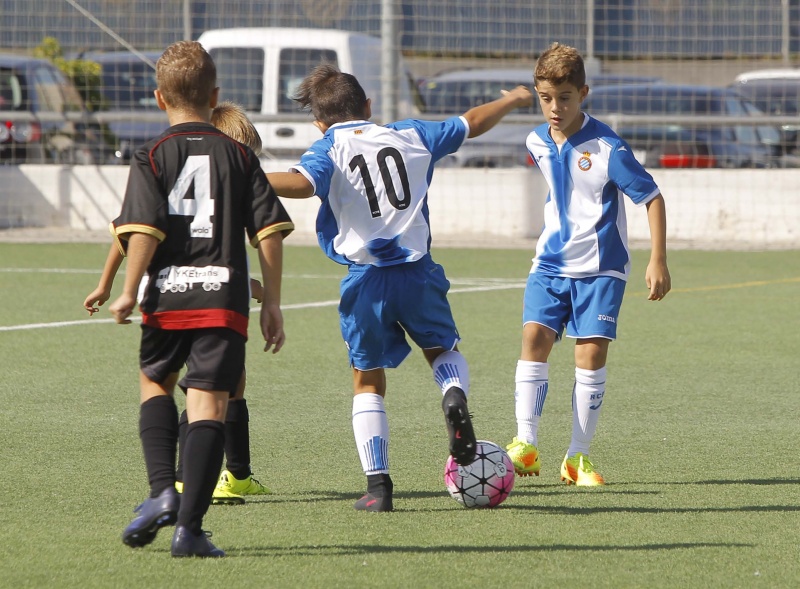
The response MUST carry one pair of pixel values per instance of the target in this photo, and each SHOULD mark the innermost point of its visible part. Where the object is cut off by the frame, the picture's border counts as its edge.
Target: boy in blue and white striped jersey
(373, 185)
(582, 260)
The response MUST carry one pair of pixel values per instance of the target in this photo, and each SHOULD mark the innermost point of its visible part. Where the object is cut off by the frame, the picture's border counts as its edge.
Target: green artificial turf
(696, 439)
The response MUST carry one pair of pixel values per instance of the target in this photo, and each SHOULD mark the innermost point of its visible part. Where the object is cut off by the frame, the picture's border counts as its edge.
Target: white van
(261, 68)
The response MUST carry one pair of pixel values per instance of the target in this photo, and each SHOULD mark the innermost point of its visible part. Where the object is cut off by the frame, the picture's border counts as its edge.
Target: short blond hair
(186, 76)
(558, 64)
(231, 119)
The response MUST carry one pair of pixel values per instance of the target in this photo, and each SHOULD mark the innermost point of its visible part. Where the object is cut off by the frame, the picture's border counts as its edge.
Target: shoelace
(256, 481)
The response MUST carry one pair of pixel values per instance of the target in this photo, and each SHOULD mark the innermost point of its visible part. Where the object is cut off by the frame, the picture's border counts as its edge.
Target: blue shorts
(587, 307)
(380, 305)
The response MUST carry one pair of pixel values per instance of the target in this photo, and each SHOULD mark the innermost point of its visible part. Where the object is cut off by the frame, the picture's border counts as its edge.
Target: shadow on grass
(776, 481)
(315, 495)
(404, 507)
(757, 482)
(355, 549)
(560, 490)
(555, 510)
(318, 496)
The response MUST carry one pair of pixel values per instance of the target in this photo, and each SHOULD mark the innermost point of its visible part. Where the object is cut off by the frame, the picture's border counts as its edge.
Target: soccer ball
(484, 483)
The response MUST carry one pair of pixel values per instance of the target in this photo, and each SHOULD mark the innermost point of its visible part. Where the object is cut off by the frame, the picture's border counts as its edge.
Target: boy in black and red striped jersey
(192, 194)
(237, 479)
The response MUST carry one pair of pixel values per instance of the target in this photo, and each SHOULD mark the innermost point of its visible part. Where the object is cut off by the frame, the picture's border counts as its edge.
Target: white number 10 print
(197, 170)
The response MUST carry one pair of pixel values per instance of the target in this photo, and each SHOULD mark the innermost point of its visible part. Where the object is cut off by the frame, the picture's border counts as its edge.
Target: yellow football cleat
(579, 471)
(229, 489)
(525, 457)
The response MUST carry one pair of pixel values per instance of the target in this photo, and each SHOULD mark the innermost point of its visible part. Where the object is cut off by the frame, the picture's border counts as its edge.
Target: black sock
(205, 446)
(158, 431)
(237, 439)
(183, 423)
(379, 485)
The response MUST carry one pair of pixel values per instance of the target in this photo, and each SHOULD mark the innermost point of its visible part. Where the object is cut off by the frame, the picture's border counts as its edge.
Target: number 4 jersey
(198, 192)
(373, 182)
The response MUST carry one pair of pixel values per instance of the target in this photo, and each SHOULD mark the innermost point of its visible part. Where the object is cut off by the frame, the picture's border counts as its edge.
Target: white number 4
(197, 171)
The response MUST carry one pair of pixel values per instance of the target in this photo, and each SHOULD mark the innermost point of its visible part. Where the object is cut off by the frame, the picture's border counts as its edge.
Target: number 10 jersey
(373, 183)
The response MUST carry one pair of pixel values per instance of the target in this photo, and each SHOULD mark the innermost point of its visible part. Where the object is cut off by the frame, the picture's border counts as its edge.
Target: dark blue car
(684, 143)
(128, 82)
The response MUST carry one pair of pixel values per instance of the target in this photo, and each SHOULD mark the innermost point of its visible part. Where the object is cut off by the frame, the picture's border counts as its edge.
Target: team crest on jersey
(585, 164)
(357, 132)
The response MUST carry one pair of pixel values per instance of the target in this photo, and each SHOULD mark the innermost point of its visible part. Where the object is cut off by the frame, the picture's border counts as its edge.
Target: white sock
(450, 369)
(371, 430)
(529, 395)
(587, 398)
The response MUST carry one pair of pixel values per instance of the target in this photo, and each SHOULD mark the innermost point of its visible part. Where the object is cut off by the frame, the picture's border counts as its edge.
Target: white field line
(312, 305)
(292, 276)
(98, 272)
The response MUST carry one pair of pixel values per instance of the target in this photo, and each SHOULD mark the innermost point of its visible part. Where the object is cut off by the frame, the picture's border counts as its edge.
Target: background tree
(85, 74)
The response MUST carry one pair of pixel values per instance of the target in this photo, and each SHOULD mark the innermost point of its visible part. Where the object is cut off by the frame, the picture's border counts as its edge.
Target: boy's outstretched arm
(657, 276)
(270, 256)
(290, 184)
(103, 291)
(484, 117)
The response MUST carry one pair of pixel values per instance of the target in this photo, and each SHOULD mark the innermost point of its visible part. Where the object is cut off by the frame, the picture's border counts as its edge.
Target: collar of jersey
(544, 133)
(347, 124)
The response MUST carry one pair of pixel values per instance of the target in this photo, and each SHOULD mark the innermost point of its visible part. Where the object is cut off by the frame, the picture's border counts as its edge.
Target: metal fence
(611, 29)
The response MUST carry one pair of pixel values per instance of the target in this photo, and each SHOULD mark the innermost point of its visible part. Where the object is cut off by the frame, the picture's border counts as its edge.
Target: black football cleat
(370, 502)
(154, 514)
(184, 543)
(379, 494)
(463, 444)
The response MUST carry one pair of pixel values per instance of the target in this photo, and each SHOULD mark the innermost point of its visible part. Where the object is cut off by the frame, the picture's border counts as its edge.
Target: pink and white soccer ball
(484, 483)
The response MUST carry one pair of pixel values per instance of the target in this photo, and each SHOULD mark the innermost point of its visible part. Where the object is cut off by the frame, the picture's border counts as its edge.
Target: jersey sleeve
(630, 176)
(317, 167)
(267, 215)
(441, 138)
(122, 244)
(144, 208)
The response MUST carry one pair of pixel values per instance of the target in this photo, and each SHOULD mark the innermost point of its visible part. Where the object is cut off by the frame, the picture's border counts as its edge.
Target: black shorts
(214, 356)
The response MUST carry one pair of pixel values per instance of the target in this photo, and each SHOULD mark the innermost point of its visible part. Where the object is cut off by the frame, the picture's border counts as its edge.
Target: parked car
(459, 90)
(127, 84)
(776, 96)
(455, 92)
(687, 144)
(42, 116)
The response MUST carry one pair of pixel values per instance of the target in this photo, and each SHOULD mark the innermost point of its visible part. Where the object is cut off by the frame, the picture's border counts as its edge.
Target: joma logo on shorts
(608, 318)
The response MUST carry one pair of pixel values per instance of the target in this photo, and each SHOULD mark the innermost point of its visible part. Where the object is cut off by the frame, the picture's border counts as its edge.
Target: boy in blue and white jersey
(582, 260)
(373, 183)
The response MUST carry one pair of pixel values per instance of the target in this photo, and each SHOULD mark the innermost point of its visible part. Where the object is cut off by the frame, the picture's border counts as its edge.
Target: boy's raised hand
(485, 116)
(521, 94)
